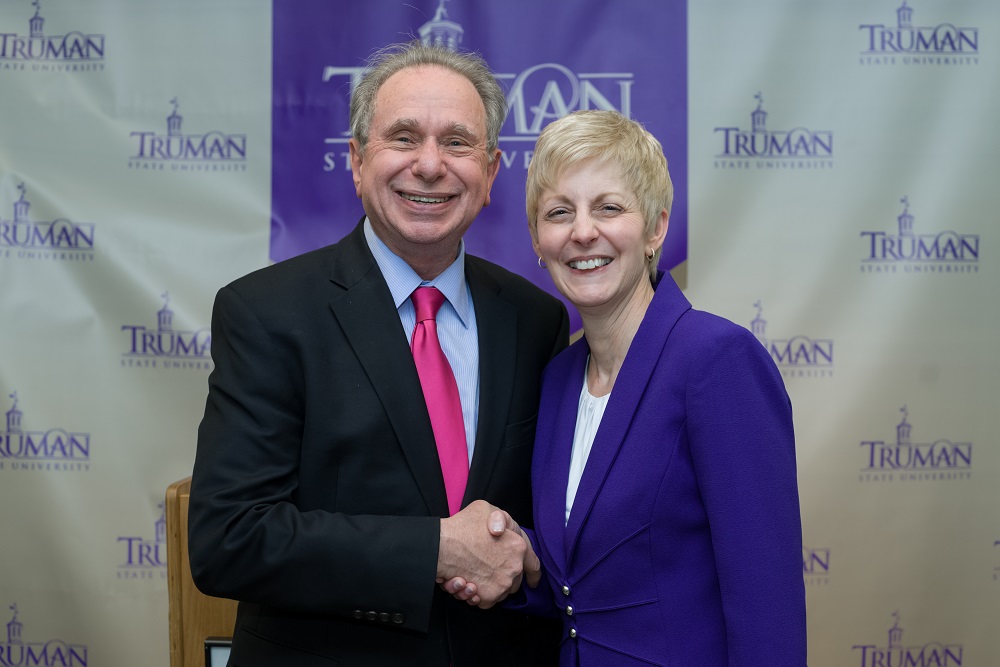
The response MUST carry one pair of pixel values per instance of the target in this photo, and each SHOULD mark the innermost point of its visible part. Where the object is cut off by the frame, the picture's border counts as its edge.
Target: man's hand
(500, 521)
(501, 528)
(492, 560)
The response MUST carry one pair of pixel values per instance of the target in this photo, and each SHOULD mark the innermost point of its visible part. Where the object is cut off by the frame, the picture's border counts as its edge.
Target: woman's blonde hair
(610, 138)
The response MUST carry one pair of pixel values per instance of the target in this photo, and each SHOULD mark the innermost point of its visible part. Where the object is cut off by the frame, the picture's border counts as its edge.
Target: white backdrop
(109, 264)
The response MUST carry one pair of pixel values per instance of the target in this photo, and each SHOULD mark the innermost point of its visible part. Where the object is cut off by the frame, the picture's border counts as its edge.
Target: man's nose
(429, 162)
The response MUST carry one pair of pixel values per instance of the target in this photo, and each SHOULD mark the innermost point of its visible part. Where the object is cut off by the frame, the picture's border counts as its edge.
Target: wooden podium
(194, 616)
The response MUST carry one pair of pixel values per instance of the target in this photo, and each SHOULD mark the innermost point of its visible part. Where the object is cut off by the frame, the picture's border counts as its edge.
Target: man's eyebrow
(465, 131)
(401, 124)
(468, 135)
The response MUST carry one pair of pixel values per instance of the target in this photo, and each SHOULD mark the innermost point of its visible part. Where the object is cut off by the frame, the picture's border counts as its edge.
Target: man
(319, 499)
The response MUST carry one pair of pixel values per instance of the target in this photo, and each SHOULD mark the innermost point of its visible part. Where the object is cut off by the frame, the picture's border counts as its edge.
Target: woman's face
(593, 238)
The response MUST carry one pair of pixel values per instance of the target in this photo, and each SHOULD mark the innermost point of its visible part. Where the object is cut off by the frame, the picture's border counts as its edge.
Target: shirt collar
(402, 279)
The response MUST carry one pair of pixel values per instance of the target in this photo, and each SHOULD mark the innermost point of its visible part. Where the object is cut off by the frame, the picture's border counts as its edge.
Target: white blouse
(588, 418)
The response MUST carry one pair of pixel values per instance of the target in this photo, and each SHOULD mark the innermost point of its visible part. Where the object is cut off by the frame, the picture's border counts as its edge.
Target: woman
(665, 501)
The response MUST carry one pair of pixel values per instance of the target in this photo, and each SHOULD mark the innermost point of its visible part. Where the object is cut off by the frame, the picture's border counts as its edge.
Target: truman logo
(53, 450)
(37, 52)
(142, 558)
(52, 653)
(895, 654)
(907, 44)
(166, 347)
(211, 151)
(60, 240)
(760, 148)
(798, 356)
(907, 252)
(816, 566)
(536, 96)
(908, 461)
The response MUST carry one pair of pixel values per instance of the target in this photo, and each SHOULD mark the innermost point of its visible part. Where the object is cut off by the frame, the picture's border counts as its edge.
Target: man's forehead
(426, 97)
(423, 71)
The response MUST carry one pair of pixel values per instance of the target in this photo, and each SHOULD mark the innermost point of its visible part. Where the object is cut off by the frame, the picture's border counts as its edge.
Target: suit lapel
(554, 443)
(496, 322)
(363, 306)
(666, 308)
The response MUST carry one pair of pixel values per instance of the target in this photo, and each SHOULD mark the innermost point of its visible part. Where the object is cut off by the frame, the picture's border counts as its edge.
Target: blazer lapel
(363, 305)
(496, 322)
(666, 308)
(553, 448)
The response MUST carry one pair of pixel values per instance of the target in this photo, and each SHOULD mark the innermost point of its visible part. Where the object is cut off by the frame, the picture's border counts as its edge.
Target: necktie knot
(427, 302)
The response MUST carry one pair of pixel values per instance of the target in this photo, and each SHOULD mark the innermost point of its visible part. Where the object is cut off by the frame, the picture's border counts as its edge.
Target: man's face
(425, 173)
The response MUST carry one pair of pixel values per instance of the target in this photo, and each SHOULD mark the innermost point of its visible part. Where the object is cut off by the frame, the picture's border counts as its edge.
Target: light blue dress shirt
(456, 321)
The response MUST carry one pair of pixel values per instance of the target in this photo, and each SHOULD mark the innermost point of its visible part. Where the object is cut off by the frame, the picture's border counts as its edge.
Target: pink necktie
(440, 394)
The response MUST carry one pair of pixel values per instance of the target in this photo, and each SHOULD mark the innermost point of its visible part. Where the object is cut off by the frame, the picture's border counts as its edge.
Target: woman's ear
(533, 230)
(659, 232)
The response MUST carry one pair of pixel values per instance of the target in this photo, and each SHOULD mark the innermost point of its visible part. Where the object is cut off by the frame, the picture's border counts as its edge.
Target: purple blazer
(684, 544)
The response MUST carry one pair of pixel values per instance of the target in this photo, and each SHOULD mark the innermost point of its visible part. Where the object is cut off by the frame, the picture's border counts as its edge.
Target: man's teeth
(425, 200)
(590, 263)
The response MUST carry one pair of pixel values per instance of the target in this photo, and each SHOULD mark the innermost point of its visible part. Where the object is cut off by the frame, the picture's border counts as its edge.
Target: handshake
(484, 555)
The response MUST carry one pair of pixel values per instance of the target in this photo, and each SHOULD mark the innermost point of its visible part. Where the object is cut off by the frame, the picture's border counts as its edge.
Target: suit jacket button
(358, 614)
(569, 611)
(371, 616)
(398, 618)
(565, 591)
(383, 617)
(572, 633)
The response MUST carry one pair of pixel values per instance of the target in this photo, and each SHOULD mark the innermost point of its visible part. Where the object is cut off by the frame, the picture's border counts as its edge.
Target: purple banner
(551, 57)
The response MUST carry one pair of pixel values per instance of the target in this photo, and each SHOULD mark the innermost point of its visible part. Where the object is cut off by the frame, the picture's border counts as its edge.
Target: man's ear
(357, 157)
(492, 169)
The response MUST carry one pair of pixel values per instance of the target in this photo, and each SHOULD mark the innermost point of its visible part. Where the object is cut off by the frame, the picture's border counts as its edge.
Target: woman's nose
(584, 230)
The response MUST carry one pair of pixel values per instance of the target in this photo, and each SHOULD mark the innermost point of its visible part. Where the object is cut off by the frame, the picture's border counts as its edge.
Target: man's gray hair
(391, 59)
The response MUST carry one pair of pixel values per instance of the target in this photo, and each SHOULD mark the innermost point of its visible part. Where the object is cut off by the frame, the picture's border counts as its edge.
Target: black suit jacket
(317, 493)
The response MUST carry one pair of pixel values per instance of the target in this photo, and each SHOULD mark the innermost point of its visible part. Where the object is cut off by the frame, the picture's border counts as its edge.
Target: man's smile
(424, 199)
